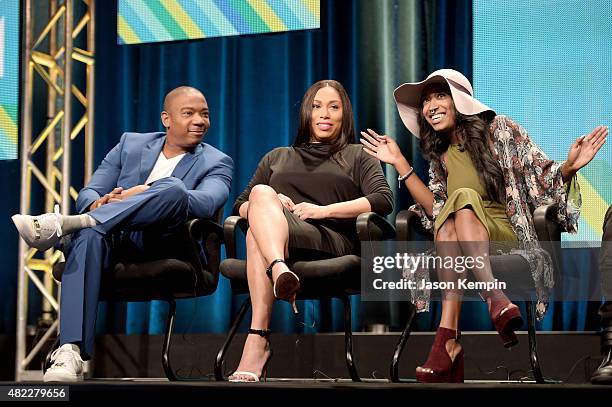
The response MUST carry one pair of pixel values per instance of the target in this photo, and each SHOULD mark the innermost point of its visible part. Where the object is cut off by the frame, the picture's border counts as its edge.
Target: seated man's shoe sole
(62, 377)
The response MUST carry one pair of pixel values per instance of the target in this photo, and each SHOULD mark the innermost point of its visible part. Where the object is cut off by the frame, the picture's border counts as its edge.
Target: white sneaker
(41, 232)
(67, 366)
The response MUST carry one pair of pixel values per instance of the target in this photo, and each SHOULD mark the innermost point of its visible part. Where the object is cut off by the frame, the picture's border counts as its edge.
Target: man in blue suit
(147, 186)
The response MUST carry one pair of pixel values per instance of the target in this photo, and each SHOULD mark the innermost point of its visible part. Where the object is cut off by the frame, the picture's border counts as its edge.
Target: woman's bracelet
(403, 178)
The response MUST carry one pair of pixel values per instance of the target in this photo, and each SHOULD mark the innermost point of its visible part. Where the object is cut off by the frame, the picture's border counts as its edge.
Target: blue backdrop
(253, 86)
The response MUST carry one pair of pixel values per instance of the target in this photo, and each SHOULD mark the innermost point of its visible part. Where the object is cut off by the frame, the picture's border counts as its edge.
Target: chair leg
(400, 345)
(167, 337)
(348, 340)
(228, 339)
(533, 350)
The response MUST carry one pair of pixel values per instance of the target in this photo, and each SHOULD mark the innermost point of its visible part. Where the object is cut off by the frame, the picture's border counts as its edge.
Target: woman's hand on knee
(286, 202)
(305, 210)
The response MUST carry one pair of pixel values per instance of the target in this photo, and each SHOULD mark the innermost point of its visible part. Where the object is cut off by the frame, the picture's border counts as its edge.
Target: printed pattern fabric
(531, 180)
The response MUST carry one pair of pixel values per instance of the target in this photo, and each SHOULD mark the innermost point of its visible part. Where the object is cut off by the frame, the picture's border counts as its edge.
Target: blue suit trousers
(156, 212)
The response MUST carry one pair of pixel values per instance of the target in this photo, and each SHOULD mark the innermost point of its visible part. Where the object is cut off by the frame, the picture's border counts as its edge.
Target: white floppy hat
(408, 97)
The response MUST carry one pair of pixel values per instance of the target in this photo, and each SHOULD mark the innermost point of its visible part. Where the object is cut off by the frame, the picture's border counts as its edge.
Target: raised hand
(585, 147)
(382, 147)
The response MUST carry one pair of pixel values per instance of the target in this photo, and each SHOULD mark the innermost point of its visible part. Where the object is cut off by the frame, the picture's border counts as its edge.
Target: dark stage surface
(565, 357)
(127, 368)
(278, 392)
(568, 357)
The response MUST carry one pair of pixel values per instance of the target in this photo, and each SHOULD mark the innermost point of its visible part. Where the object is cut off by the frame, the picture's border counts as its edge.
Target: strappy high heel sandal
(252, 377)
(504, 316)
(286, 286)
(440, 367)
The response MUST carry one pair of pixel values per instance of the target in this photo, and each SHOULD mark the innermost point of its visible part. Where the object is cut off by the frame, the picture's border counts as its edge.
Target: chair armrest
(192, 232)
(230, 226)
(203, 234)
(408, 225)
(545, 222)
(198, 228)
(373, 227)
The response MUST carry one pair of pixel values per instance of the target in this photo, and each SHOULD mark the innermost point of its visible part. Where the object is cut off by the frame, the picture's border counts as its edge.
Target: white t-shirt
(163, 167)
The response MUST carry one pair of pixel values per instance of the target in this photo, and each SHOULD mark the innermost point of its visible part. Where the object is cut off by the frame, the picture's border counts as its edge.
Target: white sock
(74, 223)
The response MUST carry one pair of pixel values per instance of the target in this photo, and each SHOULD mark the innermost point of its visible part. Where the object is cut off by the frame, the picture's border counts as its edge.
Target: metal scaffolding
(52, 63)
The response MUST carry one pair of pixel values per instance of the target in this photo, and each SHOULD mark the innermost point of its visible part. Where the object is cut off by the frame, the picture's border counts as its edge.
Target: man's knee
(261, 191)
(172, 187)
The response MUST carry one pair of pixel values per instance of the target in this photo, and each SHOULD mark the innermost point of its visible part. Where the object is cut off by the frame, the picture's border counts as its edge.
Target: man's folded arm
(213, 191)
(103, 180)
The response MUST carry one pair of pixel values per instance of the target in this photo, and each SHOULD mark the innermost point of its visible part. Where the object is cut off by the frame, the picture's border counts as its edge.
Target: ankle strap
(269, 269)
(447, 333)
(264, 333)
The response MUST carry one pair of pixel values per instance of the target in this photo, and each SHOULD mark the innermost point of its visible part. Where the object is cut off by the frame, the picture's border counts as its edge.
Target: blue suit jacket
(206, 172)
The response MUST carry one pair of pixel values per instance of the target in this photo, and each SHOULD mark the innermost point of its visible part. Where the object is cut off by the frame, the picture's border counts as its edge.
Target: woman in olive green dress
(486, 179)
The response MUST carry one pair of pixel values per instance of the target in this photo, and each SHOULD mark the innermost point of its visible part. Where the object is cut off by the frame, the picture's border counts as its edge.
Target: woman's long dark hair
(347, 128)
(473, 131)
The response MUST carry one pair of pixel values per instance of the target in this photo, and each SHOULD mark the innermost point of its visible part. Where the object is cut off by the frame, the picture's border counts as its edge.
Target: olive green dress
(465, 189)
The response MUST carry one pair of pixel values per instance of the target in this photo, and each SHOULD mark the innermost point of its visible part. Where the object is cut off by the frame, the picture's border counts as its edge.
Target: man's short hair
(181, 90)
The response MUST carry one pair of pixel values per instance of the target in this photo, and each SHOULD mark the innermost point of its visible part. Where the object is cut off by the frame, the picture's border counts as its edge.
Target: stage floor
(569, 358)
(292, 391)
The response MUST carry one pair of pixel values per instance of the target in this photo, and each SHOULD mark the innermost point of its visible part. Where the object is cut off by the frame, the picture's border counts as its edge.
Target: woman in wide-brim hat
(486, 179)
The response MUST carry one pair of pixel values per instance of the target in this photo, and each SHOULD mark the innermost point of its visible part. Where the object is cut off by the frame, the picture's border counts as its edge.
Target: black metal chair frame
(409, 227)
(370, 227)
(205, 278)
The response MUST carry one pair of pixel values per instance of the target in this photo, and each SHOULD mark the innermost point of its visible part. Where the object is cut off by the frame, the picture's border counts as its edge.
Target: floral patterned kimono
(531, 180)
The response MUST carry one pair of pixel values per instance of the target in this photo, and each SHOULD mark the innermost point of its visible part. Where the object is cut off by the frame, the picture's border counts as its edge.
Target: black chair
(167, 279)
(409, 228)
(337, 277)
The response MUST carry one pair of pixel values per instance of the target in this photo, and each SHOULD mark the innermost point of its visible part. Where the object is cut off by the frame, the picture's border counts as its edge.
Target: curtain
(254, 85)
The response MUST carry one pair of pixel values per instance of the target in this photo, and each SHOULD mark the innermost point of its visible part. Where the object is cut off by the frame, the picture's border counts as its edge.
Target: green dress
(465, 189)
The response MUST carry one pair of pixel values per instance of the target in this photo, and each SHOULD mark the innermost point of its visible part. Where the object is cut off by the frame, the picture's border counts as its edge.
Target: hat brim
(408, 96)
